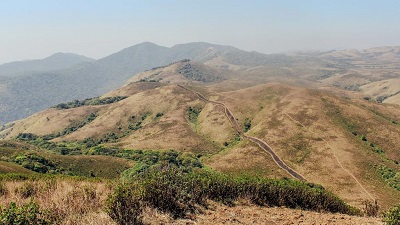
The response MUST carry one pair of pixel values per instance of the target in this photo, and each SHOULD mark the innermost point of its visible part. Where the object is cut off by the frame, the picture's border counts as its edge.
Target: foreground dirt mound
(251, 214)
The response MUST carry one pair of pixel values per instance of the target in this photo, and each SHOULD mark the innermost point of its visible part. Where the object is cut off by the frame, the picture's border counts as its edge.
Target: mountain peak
(56, 61)
(68, 56)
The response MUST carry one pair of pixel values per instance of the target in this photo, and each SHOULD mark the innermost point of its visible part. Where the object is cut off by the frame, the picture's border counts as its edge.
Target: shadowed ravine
(258, 141)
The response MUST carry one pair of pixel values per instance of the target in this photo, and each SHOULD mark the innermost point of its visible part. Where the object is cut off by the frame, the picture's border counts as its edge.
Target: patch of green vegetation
(247, 124)
(71, 128)
(298, 146)
(135, 123)
(178, 193)
(146, 160)
(391, 177)
(392, 216)
(164, 66)
(150, 80)
(375, 148)
(89, 101)
(50, 163)
(29, 213)
(193, 113)
(64, 163)
(236, 140)
(194, 72)
(36, 141)
(35, 162)
(158, 115)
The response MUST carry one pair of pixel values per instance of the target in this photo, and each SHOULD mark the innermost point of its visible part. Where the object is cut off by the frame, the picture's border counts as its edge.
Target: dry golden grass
(49, 121)
(246, 213)
(312, 149)
(393, 100)
(245, 158)
(390, 87)
(213, 124)
(296, 122)
(74, 202)
(83, 202)
(133, 88)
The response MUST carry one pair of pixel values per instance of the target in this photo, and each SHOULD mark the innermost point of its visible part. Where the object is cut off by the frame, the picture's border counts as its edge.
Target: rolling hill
(331, 136)
(23, 95)
(51, 81)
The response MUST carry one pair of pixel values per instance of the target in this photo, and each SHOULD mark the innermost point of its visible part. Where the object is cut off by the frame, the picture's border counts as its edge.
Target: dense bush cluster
(177, 192)
(194, 72)
(151, 160)
(89, 101)
(26, 214)
(391, 177)
(35, 162)
(193, 113)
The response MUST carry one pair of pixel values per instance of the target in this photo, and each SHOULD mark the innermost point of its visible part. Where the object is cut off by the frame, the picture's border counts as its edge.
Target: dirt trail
(334, 154)
(258, 141)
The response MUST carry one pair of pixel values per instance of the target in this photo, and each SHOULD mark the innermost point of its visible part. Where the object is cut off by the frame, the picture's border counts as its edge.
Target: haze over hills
(372, 72)
(22, 96)
(56, 61)
(320, 117)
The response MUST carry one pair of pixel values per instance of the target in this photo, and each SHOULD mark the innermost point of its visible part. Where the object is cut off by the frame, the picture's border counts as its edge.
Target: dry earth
(250, 214)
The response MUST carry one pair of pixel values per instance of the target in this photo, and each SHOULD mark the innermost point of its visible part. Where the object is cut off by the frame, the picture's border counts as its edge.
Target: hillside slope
(363, 71)
(347, 145)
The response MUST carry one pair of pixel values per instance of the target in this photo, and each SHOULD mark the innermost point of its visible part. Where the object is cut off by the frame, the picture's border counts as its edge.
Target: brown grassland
(333, 137)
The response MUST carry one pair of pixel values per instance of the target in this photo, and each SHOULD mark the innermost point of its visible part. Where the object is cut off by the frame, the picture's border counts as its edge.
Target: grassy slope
(271, 108)
(275, 112)
(82, 201)
(98, 166)
(8, 167)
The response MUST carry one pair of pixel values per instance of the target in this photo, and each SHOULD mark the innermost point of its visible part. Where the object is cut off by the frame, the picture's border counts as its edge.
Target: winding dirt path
(256, 140)
(335, 155)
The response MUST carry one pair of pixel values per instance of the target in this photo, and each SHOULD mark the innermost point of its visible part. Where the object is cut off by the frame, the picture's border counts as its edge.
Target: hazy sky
(96, 28)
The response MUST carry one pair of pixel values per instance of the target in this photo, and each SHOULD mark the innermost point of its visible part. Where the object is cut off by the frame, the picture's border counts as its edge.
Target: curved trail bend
(258, 141)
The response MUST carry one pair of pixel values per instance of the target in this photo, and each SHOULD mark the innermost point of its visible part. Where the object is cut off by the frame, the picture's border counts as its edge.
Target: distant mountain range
(56, 61)
(30, 86)
(50, 82)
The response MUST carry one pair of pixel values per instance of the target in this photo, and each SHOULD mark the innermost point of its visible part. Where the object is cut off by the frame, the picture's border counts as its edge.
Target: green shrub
(124, 206)
(193, 113)
(247, 124)
(89, 101)
(392, 216)
(27, 214)
(172, 190)
(171, 158)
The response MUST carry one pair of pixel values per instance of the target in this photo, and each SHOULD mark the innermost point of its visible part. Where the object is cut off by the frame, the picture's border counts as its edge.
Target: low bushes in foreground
(173, 191)
(392, 216)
